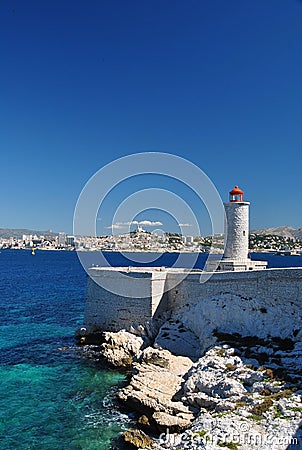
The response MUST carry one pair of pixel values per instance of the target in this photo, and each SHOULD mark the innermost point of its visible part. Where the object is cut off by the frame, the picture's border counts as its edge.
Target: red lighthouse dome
(236, 195)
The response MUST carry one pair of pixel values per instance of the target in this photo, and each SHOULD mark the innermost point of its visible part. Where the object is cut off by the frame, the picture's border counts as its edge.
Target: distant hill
(17, 233)
(284, 231)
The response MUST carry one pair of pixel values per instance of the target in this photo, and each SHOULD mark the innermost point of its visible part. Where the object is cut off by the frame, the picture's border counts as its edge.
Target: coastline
(159, 252)
(173, 400)
(221, 357)
(107, 251)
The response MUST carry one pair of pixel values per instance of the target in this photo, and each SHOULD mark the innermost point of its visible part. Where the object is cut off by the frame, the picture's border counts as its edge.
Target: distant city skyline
(217, 83)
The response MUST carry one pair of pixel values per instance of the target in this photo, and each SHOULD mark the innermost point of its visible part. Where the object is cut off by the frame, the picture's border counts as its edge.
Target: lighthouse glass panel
(236, 198)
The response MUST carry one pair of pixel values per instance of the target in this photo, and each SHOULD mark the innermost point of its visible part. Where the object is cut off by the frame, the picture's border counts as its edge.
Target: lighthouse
(237, 226)
(236, 254)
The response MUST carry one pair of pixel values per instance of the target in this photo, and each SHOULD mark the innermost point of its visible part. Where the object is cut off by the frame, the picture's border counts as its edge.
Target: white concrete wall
(260, 302)
(107, 310)
(237, 224)
(281, 284)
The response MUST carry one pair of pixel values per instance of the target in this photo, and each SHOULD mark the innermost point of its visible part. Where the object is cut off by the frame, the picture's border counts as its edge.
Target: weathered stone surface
(179, 340)
(144, 422)
(176, 423)
(219, 380)
(238, 407)
(229, 431)
(120, 348)
(158, 376)
(137, 439)
(156, 357)
(227, 395)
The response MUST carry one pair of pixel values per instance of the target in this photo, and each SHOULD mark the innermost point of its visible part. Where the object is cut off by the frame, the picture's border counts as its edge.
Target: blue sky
(85, 82)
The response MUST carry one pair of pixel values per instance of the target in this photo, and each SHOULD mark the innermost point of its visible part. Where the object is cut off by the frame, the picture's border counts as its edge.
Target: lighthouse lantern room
(236, 195)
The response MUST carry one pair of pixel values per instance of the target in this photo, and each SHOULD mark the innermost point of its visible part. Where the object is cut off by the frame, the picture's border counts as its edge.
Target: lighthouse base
(236, 265)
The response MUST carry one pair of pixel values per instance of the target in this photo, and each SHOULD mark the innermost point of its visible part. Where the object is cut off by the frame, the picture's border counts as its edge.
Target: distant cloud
(146, 223)
(115, 226)
(184, 225)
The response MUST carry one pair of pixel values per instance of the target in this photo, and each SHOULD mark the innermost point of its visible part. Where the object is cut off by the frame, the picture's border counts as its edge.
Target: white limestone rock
(262, 386)
(293, 359)
(157, 378)
(239, 408)
(179, 340)
(231, 313)
(212, 384)
(248, 376)
(120, 348)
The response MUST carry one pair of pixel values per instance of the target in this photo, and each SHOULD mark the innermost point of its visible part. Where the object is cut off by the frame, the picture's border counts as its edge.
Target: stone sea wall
(260, 303)
(118, 298)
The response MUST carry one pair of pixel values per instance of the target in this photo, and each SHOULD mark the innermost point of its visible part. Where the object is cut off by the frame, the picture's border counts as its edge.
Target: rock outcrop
(176, 338)
(244, 393)
(231, 313)
(155, 389)
(120, 348)
(216, 382)
(136, 439)
(238, 407)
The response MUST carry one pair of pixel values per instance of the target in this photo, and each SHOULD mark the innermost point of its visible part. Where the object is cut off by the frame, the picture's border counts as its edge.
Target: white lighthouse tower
(236, 257)
(237, 226)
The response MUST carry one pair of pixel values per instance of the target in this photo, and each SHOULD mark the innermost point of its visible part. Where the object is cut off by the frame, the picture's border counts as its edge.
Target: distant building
(70, 240)
(27, 237)
(62, 239)
(187, 240)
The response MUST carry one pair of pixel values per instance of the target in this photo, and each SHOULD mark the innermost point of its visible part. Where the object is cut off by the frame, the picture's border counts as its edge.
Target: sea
(52, 397)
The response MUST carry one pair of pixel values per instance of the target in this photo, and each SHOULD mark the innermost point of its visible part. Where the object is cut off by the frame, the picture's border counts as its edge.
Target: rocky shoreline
(243, 392)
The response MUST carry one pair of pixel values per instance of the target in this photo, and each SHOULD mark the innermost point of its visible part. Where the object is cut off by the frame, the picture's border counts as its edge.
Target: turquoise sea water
(51, 397)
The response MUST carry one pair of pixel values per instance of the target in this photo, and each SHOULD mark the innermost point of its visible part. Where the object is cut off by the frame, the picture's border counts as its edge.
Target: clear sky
(85, 82)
